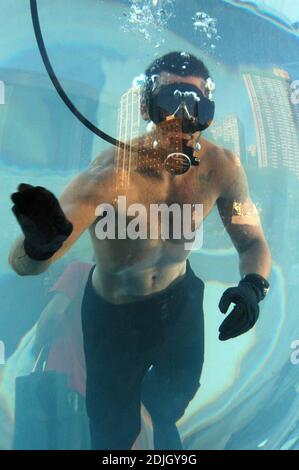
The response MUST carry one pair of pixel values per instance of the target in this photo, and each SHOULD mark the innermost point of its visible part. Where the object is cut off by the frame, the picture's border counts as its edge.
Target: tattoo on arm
(205, 178)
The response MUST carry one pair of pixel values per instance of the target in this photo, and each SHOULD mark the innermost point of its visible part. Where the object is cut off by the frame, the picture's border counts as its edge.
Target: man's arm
(78, 202)
(77, 209)
(241, 219)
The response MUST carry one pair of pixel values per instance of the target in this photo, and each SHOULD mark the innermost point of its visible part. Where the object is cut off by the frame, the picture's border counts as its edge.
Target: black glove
(250, 291)
(42, 220)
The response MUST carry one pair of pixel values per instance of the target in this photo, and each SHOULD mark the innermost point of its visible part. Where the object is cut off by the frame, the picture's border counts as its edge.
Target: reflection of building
(229, 133)
(274, 118)
(128, 126)
(252, 156)
(129, 115)
(51, 137)
(251, 153)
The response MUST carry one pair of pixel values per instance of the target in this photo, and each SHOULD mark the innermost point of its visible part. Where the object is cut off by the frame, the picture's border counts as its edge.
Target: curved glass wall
(248, 394)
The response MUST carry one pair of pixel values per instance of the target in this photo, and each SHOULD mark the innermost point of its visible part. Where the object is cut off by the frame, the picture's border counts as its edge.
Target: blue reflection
(248, 398)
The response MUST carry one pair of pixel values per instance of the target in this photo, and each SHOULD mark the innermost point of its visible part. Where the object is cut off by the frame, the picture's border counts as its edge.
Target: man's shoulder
(227, 166)
(222, 155)
(102, 164)
(94, 179)
(225, 161)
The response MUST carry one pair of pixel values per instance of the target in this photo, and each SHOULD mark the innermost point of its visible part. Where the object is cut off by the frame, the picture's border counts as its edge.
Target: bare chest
(155, 204)
(198, 186)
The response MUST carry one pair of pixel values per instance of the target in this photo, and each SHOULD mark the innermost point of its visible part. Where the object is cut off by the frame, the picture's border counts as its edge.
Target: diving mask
(187, 103)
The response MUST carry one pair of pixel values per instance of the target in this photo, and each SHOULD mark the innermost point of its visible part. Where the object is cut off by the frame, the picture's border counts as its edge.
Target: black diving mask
(195, 111)
(182, 100)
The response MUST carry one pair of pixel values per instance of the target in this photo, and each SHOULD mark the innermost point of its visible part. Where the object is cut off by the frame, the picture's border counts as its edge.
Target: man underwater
(142, 311)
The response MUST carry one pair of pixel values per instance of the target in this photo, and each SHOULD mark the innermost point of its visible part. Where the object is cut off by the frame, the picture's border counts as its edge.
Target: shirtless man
(142, 313)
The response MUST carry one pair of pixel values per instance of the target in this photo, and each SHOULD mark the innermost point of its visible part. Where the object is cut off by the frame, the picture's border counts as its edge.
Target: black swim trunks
(151, 350)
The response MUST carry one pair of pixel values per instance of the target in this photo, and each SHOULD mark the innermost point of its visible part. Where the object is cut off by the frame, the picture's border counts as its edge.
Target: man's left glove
(247, 295)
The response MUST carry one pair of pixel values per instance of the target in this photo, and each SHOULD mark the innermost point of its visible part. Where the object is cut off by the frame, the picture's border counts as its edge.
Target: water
(248, 397)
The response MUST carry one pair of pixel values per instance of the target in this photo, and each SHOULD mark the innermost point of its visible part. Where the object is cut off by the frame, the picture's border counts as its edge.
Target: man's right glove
(42, 221)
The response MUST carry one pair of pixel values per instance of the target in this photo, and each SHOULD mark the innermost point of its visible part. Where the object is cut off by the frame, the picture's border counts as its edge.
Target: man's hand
(42, 220)
(244, 314)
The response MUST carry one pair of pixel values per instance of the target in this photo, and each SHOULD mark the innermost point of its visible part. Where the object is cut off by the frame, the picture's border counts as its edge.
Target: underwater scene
(149, 178)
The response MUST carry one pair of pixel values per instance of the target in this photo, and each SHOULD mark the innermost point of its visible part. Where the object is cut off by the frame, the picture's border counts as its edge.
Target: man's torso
(130, 269)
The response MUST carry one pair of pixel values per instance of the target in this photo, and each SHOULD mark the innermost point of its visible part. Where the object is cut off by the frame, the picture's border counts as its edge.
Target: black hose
(57, 85)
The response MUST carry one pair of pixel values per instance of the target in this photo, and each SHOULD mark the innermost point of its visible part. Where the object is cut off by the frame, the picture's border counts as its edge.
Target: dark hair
(178, 63)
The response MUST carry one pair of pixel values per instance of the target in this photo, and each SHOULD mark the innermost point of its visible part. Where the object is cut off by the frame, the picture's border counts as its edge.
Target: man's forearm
(256, 258)
(22, 264)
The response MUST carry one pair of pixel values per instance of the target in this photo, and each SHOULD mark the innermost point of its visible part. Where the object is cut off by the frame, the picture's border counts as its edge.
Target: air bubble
(206, 25)
(148, 18)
